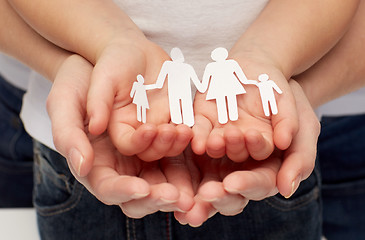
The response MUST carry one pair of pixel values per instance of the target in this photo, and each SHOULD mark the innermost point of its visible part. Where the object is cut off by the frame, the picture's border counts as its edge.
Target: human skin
(285, 40)
(120, 41)
(137, 195)
(68, 141)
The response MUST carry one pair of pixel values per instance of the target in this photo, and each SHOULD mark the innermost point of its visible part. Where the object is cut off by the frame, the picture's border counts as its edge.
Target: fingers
(299, 159)
(235, 144)
(162, 197)
(66, 109)
(259, 145)
(255, 183)
(215, 143)
(69, 136)
(112, 188)
(178, 174)
(200, 212)
(285, 124)
(111, 82)
(201, 131)
(161, 144)
(100, 100)
(130, 141)
(182, 140)
(225, 203)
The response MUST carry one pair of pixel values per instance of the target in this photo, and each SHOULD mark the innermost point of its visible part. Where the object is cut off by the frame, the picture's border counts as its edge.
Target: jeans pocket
(55, 189)
(15, 143)
(307, 193)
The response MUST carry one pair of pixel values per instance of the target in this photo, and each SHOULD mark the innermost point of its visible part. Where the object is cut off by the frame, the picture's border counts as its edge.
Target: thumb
(70, 139)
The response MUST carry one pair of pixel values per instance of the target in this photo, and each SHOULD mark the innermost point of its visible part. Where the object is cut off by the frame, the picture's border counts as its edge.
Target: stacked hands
(193, 172)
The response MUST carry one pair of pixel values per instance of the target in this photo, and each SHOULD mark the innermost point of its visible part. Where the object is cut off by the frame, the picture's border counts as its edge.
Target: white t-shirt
(350, 104)
(14, 72)
(196, 27)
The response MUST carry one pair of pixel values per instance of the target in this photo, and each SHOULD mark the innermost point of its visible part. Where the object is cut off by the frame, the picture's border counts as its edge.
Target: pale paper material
(139, 95)
(266, 88)
(179, 76)
(225, 78)
(222, 79)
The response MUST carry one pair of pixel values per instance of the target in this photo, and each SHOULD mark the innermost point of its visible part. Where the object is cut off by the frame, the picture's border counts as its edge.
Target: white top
(350, 104)
(197, 27)
(14, 72)
(34, 112)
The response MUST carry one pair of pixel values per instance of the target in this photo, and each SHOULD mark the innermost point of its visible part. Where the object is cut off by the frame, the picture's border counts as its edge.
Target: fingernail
(167, 200)
(294, 186)
(180, 210)
(182, 223)
(76, 160)
(139, 195)
(194, 226)
(209, 200)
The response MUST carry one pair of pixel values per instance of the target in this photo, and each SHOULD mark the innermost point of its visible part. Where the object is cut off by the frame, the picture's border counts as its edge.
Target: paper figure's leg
(139, 114)
(274, 107)
(187, 112)
(222, 110)
(144, 115)
(265, 106)
(232, 107)
(175, 111)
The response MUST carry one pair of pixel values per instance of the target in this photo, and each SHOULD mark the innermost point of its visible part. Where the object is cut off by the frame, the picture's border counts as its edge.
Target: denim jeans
(66, 210)
(16, 151)
(341, 153)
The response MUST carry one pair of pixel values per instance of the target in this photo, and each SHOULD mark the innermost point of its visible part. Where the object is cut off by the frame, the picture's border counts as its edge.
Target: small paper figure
(179, 76)
(266, 88)
(139, 95)
(224, 76)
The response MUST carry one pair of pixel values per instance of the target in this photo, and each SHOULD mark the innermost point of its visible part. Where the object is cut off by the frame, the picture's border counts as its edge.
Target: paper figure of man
(225, 77)
(179, 76)
(266, 88)
(139, 95)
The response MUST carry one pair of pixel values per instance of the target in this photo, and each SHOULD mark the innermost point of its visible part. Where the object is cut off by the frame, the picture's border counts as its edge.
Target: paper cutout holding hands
(139, 95)
(266, 88)
(225, 77)
(179, 76)
(222, 79)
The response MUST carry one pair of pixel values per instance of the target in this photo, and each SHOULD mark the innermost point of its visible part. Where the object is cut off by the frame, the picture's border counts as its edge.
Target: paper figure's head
(176, 55)
(263, 77)
(140, 78)
(219, 54)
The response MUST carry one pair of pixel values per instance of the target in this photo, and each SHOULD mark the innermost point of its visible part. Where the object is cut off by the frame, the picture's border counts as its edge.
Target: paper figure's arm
(206, 77)
(240, 74)
(275, 87)
(150, 86)
(133, 90)
(254, 82)
(196, 80)
(162, 75)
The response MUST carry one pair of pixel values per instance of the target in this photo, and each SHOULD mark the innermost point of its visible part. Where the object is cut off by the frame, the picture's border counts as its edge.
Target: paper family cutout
(222, 79)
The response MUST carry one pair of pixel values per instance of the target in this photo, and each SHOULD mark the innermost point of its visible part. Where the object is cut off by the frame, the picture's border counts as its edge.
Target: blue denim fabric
(341, 153)
(16, 151)
(66, 210)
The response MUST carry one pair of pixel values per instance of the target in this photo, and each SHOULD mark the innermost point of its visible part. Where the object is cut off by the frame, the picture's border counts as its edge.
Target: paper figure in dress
(266, 88)
(179, 76)
(225, 77)
(139, 95)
